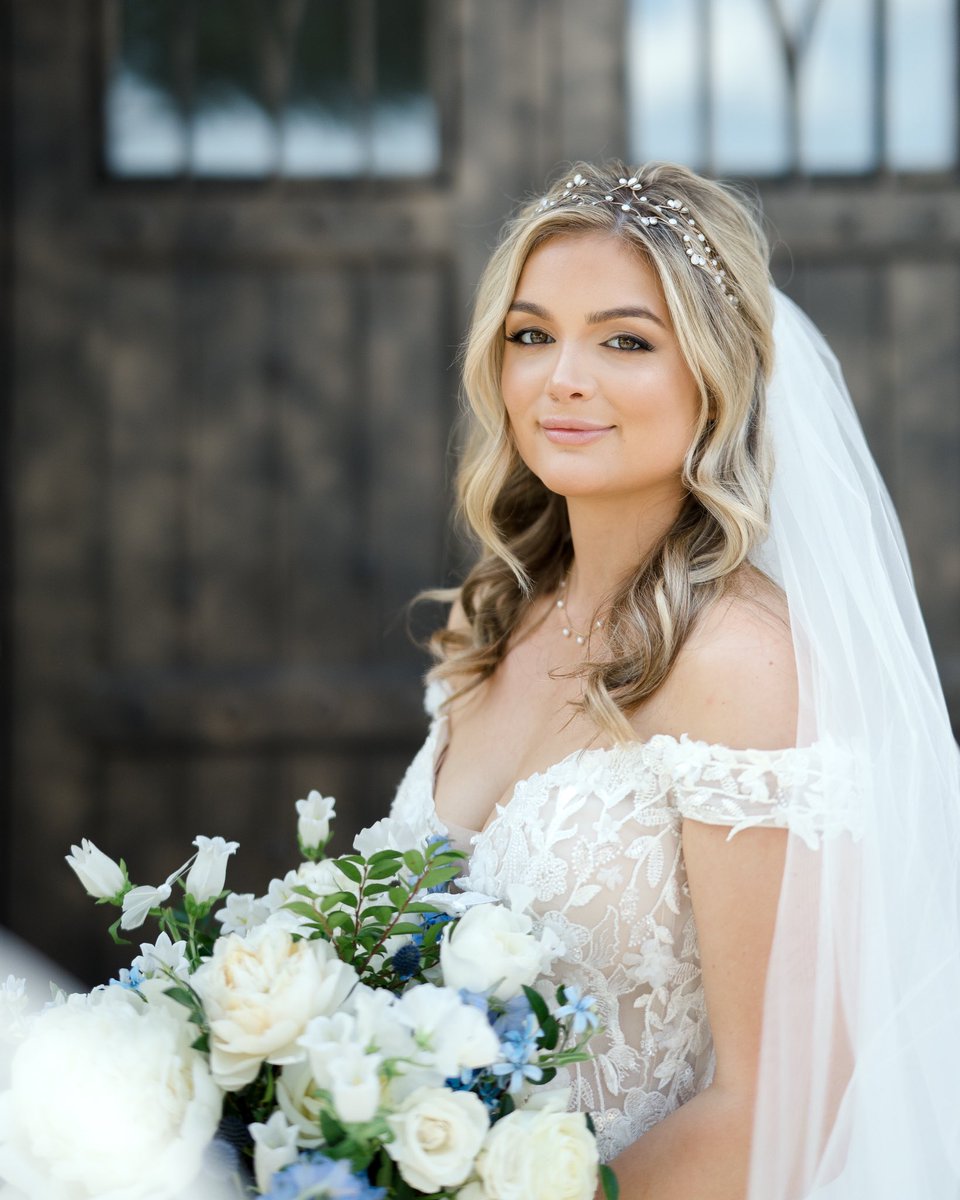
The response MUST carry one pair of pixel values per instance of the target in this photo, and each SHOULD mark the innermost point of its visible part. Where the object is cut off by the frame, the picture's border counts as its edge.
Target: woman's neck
(610, 538)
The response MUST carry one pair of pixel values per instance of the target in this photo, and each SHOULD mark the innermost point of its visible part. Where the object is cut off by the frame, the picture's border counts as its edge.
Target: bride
(685, 707)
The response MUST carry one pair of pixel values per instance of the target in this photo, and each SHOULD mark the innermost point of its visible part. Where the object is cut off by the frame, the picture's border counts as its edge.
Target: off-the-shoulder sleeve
(810, 790)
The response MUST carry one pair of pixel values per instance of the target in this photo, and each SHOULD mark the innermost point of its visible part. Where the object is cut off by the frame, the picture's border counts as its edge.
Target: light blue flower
(315, 1177)
(581, 1008)
(519, 1050)
(130, 980)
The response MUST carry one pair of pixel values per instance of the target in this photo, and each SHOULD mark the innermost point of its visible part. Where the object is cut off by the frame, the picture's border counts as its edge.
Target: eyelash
(519, 338)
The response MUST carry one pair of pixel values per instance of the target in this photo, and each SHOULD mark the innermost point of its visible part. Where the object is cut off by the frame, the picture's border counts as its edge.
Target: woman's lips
(573, 434)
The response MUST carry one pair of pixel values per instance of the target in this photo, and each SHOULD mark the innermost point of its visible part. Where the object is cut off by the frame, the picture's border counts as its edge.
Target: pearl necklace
(567, 630)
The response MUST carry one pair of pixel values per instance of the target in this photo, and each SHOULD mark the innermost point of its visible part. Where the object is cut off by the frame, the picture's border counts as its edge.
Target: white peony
(438, 1134)
(493, 949)
(107, 1099)
(530, 1155)
(259, 992)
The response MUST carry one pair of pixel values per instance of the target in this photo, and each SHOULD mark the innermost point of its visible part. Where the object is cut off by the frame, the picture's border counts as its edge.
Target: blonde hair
(522, 526)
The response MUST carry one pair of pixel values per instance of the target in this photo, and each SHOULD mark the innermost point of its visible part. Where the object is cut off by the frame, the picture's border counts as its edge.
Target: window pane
(665, 80)
(322, 127)
(145, 132)
(837, 90)
(751, 98)
(405, 126)
(922, 93)
(232, 134)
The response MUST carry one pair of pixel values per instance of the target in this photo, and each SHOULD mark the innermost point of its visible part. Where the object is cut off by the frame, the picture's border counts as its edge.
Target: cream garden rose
(438, 1134)
(259, 993)
(107, 1098)
(539, 1155)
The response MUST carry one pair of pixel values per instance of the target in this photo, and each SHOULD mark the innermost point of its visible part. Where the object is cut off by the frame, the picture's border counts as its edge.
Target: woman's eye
(628, 341)
(530, 337)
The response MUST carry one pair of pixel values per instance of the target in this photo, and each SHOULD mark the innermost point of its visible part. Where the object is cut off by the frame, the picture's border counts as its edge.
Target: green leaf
(202, 1043)
(182, 996)
(549, 1074)
(413, 860)
(349, 869)
(335, 898)
(333, 1134)
(611, 1187)
(538, 1004)
(549, 1033)
(340, 920)
(405, 928)
(398, 896)
(381, 913)
(303, 909)
(375, 889)
(439, 875)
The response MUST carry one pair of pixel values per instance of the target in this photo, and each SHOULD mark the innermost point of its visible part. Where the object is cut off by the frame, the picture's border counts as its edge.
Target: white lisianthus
(387, 834)
(354, 1084)
(259, 992)
(100, 875)
(437, 1136)
(162, 954)
(530, 1155)
(107, 1098)
(274, 1147)
(493, 949)
(206, 877)
(313, 820)
(450, 1034)
(242, 912)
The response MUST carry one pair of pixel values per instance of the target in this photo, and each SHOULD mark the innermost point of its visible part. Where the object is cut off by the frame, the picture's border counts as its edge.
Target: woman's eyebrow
(597, 318)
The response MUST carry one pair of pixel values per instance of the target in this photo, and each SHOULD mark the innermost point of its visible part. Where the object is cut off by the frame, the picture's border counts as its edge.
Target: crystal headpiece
(630, 197)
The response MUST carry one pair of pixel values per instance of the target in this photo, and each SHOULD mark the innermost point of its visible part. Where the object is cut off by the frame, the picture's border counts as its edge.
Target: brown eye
(530, 337)
(627, 341)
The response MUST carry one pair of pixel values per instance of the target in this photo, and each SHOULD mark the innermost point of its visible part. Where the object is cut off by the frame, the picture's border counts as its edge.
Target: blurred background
(238, 241)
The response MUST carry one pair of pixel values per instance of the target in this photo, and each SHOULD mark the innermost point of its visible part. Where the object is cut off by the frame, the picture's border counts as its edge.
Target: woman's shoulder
(735, 679)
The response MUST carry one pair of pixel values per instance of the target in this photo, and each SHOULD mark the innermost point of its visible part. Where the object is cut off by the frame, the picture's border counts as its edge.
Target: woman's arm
(739, 690)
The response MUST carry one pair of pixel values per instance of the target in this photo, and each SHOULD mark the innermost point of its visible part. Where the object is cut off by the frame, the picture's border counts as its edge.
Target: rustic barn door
(245, 234)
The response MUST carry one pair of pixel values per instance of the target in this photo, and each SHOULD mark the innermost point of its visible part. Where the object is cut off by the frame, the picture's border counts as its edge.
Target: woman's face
(600, 400)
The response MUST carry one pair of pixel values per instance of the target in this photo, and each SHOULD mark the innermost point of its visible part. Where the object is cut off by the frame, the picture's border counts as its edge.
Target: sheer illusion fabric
(859, 1075)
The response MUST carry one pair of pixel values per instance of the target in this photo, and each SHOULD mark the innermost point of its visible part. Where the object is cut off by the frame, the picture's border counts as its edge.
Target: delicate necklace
(567, 630)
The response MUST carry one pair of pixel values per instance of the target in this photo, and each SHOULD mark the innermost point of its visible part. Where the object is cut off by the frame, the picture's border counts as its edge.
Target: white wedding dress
(596, 838)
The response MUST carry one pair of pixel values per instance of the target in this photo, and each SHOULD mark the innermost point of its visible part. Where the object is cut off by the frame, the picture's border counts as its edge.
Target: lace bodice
(597, 838)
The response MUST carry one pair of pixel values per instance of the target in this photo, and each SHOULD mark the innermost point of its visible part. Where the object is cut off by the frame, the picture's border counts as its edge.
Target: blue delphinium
(315, 1177)
(580, 1008)
(519, 1050)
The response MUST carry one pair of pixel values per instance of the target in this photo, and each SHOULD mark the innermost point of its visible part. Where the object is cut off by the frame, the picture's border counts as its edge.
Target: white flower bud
(274, 1147)
(205, 879)
(99, 874)
(313, 820)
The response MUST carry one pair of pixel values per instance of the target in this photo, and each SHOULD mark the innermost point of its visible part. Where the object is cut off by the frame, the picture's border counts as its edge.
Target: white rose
(313, 820)
(450, 1034)
(539, 1156)
(438, 1136)
(259, 992)
(493, 949)
(274, 1147)
(107, 1098)
(99, 874)
(206, 877)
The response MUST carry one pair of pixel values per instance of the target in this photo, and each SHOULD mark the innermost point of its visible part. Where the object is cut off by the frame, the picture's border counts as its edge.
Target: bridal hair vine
(630, 197)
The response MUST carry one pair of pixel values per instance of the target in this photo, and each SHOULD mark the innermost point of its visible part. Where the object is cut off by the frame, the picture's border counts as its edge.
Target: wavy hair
(522, 527)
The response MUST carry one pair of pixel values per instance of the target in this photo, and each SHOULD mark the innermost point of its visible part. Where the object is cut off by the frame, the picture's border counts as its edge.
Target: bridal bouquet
(361, 1030)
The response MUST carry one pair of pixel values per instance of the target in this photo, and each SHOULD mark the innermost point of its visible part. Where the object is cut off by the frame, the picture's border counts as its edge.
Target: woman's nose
(570, 378)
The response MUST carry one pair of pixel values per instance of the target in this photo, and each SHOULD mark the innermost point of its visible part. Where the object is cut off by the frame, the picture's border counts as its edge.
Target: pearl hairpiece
(671, 213)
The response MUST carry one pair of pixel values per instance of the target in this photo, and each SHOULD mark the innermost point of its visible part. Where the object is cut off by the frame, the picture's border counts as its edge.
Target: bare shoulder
(735, 680)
